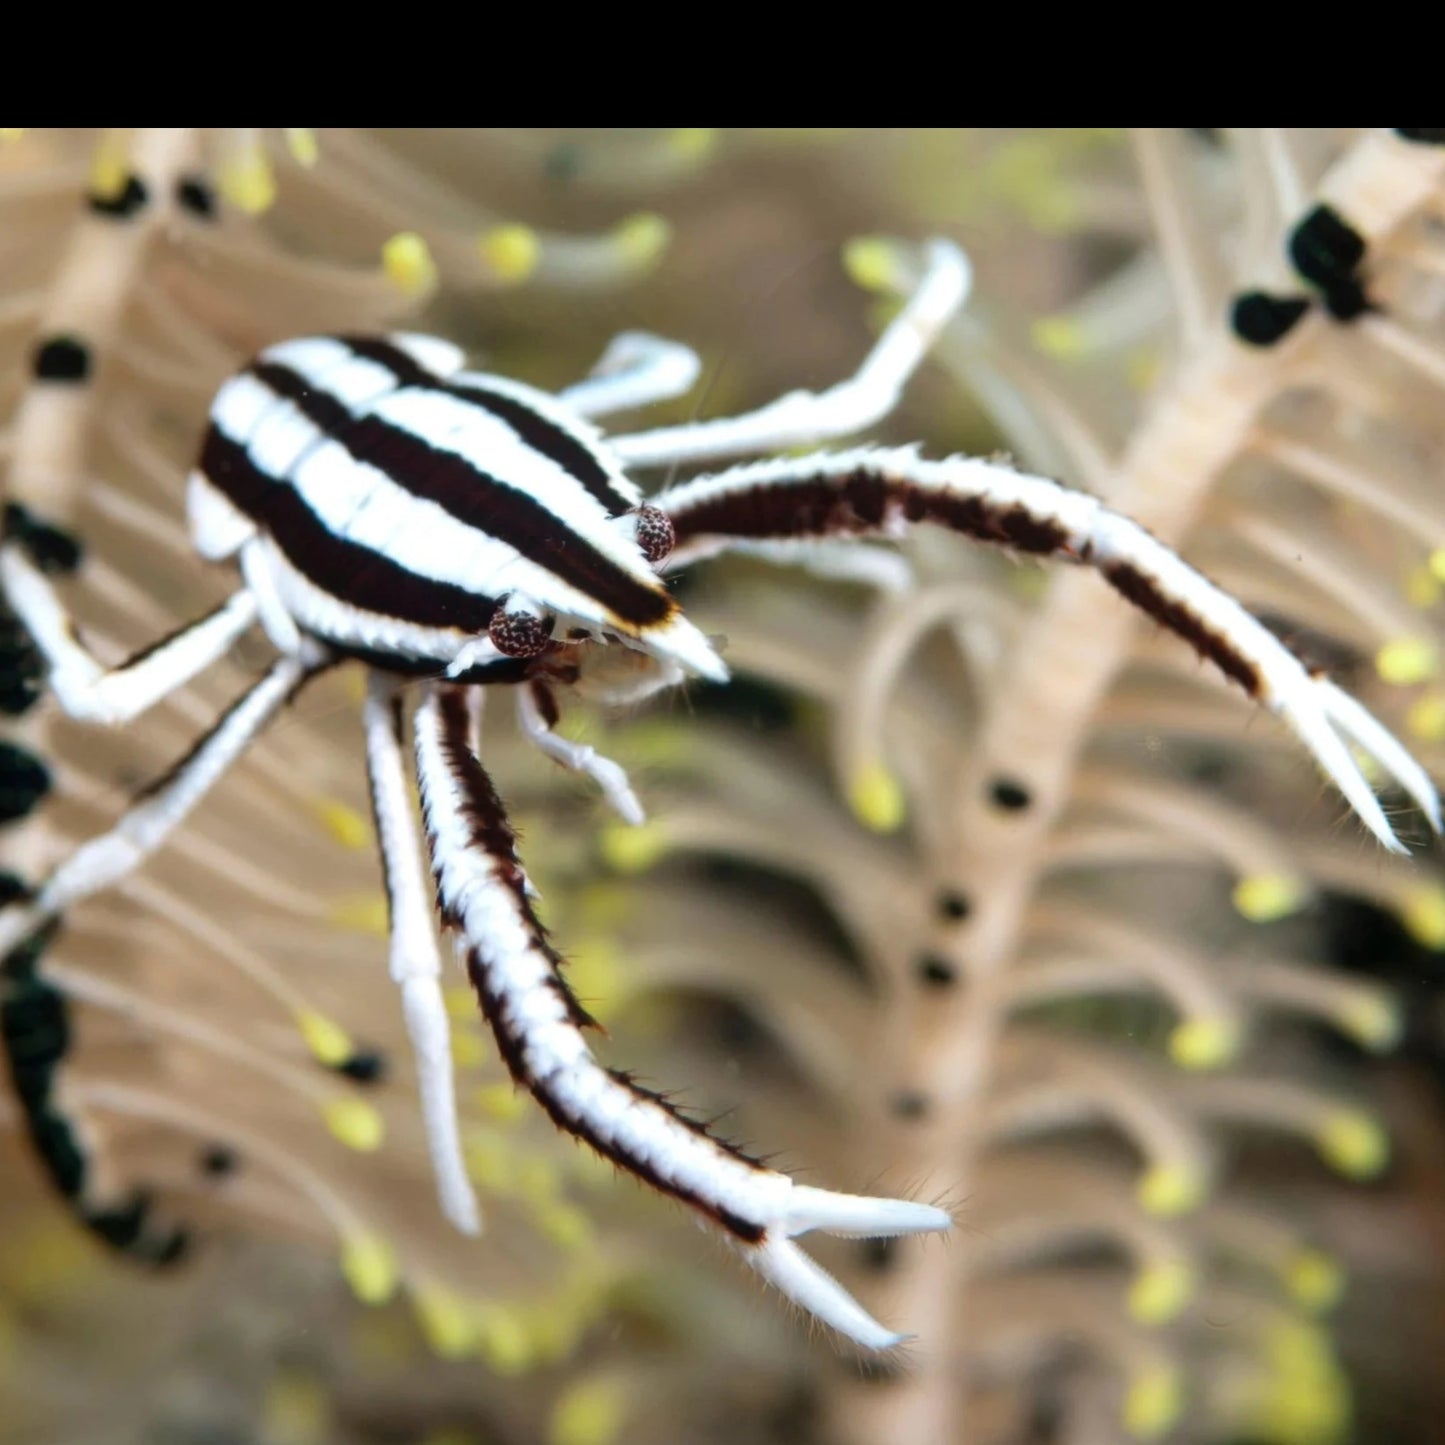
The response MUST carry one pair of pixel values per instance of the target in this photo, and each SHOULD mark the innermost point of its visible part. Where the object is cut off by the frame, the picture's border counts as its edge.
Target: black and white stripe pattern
(417, 499)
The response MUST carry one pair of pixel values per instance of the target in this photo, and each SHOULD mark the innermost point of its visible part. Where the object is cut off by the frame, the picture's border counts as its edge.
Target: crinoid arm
(539, 1027)
(874, 492)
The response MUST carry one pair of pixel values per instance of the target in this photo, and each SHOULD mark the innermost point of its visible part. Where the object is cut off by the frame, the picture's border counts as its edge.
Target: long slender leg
(880, 493)
(161, 809)
(416, 964)
(537, 713)
(89, 691)
(538, 1024)
(804, 417)
(637, 369)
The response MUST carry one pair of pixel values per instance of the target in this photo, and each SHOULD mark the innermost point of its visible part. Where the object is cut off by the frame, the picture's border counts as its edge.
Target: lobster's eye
(519, 634)
(654, 533)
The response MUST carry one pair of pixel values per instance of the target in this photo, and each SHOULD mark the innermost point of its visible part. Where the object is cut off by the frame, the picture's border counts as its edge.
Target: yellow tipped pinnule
(356, 1123)
(110, 165)
(503, 1339)
(693, 142)
(1060, 337)
(491, 1162)
(642, 238)
(1204, 1043)
(1153, 1403)
(1407, 660)
(588, 1412)
(407, 260)
(876, 799)
(246, 181)
(301, 142)
(329, 1043)
(1315, 1280)
(1161, 1290)
(627, 849)
(1266, 897)
(1353, 1143)
(511, 251)
(567, 1226)
(297, 1410)
(1437, 563)
(873, 262)
(1423, 914)
(504, 1102)
(1373, 1020)
(348, 827)
(449, 1325)
(1306, 1399)
(370, 1267)
(1426, 718)
(1168, 1190)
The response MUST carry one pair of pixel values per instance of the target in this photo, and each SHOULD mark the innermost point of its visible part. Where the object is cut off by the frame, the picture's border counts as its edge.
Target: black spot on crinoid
(1261, 319)
(127, 202)
(61, 358)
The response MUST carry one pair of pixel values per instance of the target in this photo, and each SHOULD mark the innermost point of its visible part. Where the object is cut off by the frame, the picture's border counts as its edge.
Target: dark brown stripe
(570, 453)
(859, 503)
(139, 657)
(478, 499)
(492, 834)
(1144, 593)
(349, 572)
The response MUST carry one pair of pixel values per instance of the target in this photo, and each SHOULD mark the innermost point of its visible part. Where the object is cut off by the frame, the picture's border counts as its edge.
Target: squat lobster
(462, 530)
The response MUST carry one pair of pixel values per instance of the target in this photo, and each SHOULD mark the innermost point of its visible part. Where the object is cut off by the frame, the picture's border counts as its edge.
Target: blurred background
(972, 887)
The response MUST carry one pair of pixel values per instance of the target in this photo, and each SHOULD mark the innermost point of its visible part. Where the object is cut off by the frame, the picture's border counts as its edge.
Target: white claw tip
(858, 1216)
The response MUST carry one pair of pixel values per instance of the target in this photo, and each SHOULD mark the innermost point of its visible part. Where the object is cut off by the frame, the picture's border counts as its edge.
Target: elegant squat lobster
(453, 531)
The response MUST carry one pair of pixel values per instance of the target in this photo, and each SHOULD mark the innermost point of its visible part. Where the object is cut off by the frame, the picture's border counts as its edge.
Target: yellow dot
(362, 913)
(446, 1322)
(370, 1267)
(504, 1341)
(1204, 1043)
(1373, 1020)
(1168, 1190)
(642, 238)
(407, 260)
(327, 1040)
(588, 1412)
(1061, 337)
(1153, 1403)
(1426, 718)
(110, 166)
(491, 1161)
(872, 262)
(247, 183)
(693, 142)
(567, 1226)
(301, 142)
(633, 850)
(1160, 1291)
(877, 799)
(1315, 1280)
(1437, 563)
(344, 823)
(1423, 914)
(511, 251)
(1407, 660)
(1266, 897)
(1353, 1143)
(355, 1123)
